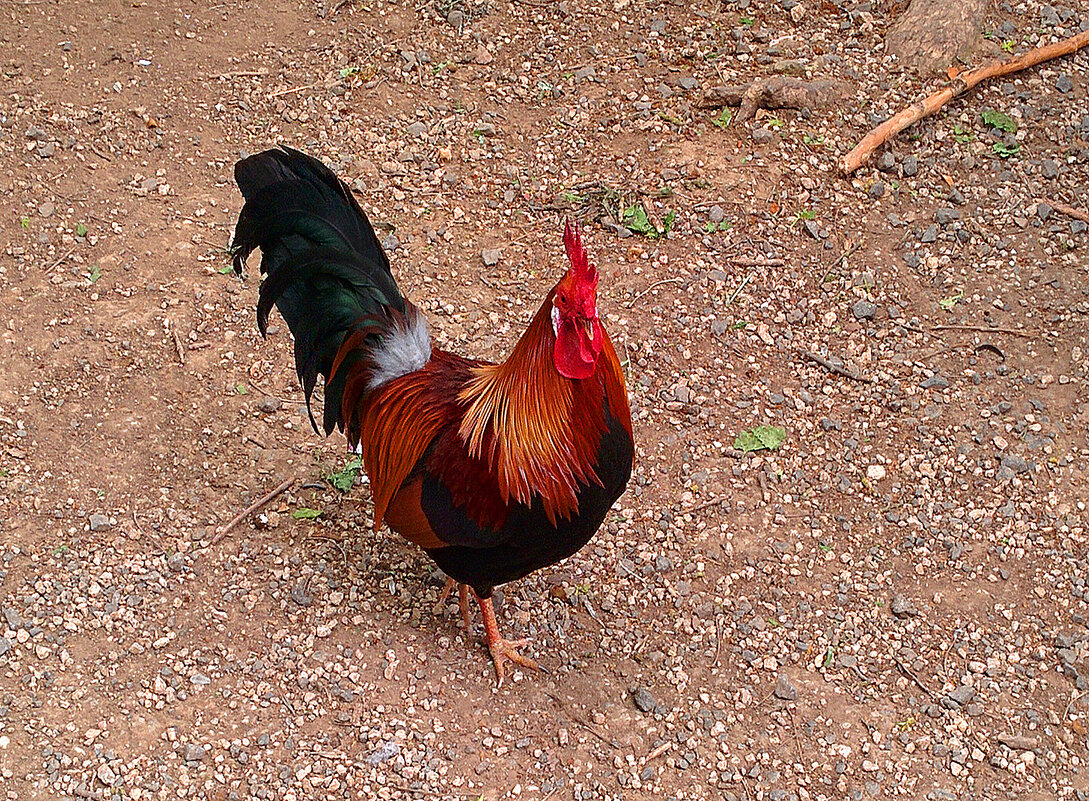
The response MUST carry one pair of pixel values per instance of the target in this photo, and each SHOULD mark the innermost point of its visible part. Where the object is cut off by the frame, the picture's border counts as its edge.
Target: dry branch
(832, 367)
(987, 329)
(780, 92)
(1069, 211)
(958, 86)
(249, 510)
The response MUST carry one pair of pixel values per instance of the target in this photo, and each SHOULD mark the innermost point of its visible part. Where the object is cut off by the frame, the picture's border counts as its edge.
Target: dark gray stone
(644, 701)
(864, 309)
(784, 689)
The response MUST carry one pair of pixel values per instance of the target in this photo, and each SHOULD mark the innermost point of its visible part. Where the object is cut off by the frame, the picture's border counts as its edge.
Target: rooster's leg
(463, 600)
(502, 651)
(463, 605)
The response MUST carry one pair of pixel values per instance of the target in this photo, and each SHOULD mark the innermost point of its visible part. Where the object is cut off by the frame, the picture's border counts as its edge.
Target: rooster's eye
(563, 298)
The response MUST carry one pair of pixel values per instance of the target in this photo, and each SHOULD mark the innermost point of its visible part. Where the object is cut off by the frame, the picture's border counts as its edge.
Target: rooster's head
(574, 312)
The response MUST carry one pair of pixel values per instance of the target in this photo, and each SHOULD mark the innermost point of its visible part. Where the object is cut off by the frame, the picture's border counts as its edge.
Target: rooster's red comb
(576, 253)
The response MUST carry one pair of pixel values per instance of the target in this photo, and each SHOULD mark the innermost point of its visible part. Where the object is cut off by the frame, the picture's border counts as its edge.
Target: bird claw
(504, 651)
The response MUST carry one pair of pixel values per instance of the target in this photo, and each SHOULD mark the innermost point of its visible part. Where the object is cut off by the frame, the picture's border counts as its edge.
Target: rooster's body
(495, 470)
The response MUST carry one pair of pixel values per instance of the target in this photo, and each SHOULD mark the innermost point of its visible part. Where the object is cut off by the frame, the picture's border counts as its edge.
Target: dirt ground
(891, 604)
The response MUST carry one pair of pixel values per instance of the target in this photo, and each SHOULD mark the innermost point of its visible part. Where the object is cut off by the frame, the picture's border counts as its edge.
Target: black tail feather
(325, 268)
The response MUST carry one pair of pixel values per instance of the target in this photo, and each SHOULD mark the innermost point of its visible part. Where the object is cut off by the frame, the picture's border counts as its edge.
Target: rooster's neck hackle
(536, 429)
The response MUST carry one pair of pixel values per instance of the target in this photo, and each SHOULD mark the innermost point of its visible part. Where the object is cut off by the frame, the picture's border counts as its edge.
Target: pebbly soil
(893, 603)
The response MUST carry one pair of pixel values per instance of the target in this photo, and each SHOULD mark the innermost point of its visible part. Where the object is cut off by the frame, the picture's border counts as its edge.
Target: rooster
(495, 470)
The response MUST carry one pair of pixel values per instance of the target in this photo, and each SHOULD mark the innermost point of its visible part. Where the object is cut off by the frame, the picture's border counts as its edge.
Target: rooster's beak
(589, 326)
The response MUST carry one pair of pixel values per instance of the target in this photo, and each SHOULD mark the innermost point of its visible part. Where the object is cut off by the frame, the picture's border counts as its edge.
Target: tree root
(779, 92)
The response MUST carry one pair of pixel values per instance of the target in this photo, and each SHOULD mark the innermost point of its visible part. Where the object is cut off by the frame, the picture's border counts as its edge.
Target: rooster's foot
(504, 651)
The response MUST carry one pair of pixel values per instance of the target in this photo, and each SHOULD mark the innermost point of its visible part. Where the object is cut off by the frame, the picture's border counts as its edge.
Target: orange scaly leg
(463, 601)
(502, 651)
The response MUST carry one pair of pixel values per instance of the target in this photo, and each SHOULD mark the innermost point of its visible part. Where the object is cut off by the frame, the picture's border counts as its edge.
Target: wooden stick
(834, 368)
(293, 90)
(737, 291)
(959, 85)
(907, 672)
(249, 510)
(987, 330)
(651, 288)
(1069, 211)
(60, 261)
(657, 752)
(747, 261)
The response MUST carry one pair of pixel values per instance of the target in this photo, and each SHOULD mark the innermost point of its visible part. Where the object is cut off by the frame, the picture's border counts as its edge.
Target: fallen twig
(582, 722)
(261, 71)
(653, 286)
(987, 330)
(293, 90)
(60, 261)
(918, 683)
(178, 346)
(737, 291)
(832, 367)
(1073, 700)
(1069, 211)
(657, 752)
(958, 86)
(842, 257)
(249, 510)
(747, 261)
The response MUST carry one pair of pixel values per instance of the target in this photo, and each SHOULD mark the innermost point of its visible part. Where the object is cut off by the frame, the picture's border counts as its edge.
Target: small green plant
(343, 479)
(306, 513)
(94, 275)
(1007, 46)
(740, 325)
(747, 21)
(81, 230)
(1005, 151)
(948, 303)
(667, 222)
(240, 389)
(962, 135)
(635, 219)
(712, 226)
(25, 222)
(812, 141)
(806, 214)
(996, 119)
(348, 72)
(61, 550)
(760, 438)
(829, 655)
(574, 198)
(775, 123)
(226, 268)
(724, 119)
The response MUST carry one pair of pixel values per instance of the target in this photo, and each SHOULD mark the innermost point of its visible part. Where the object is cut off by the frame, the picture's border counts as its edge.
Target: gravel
(903, 565)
